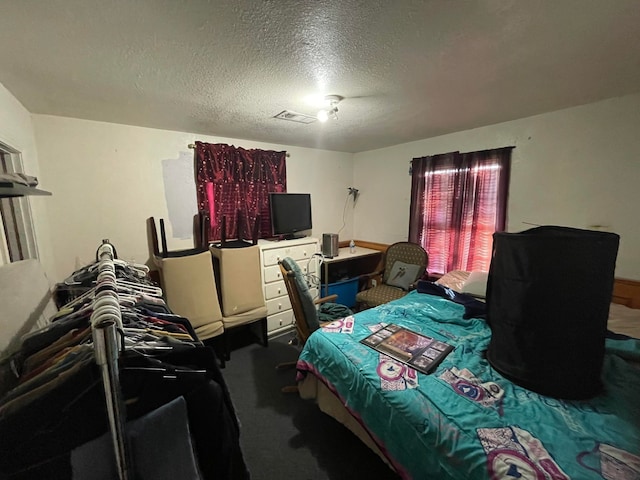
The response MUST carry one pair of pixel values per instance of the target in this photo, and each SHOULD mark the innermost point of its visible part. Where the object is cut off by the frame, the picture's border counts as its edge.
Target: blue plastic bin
(346, 291)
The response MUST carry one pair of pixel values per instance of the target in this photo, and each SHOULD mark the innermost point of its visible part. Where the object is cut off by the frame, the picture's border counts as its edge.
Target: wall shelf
(13, 189)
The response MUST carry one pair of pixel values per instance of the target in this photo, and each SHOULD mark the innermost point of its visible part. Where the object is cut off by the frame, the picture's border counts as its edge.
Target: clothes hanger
(148, 289)
(157, 366)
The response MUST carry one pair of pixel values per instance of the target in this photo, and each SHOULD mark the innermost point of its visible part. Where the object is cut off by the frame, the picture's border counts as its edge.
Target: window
(233, 186)
(17, 239)
(458, 201)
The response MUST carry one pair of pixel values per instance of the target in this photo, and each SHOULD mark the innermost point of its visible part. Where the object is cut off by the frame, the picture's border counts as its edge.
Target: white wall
(16, 131)
(107, 179)
(578, 167)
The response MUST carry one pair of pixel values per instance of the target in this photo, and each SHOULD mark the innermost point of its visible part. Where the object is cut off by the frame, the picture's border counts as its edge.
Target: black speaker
(548, 297)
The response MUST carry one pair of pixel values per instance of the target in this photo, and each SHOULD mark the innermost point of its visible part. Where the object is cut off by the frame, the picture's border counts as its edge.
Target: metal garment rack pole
(105, 320)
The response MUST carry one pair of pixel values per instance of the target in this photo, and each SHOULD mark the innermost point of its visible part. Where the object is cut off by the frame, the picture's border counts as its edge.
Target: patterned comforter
(464, 420)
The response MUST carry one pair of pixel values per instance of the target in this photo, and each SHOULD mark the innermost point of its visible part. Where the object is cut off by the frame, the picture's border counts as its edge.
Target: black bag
(548, 297)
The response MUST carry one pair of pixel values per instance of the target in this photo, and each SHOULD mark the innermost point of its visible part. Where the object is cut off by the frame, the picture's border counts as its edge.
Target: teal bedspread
(466, 421)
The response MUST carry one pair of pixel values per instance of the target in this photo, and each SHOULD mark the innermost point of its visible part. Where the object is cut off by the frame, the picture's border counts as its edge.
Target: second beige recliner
(239, 283)
(190, 290)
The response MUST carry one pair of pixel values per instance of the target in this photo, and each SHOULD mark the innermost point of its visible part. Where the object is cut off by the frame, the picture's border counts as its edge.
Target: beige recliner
(239, 282)
(190, 289)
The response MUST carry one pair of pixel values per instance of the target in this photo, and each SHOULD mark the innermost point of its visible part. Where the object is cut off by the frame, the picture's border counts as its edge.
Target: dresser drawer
(274, 274)
(298, 252)
(279, 289)
(279, 314)
(277, 305)
(273, 290)
(279, 320)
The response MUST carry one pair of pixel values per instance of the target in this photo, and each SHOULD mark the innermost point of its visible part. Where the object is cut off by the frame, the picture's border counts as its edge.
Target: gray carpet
(283, 436)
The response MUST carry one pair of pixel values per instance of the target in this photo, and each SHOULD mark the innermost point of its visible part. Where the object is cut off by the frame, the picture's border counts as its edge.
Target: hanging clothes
(53, 413)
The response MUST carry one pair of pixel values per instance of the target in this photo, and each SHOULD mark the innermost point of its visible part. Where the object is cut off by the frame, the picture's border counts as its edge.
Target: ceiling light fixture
(332, 112)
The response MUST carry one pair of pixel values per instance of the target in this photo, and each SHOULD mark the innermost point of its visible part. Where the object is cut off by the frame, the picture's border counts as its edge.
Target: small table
(344, 255)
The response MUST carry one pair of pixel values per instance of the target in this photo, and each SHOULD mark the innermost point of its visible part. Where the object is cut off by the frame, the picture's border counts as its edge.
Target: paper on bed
(340, 325)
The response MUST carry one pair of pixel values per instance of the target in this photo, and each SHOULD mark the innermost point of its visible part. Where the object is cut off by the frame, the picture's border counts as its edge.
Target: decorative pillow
(402, 275)
(476, 284)
(454, 279)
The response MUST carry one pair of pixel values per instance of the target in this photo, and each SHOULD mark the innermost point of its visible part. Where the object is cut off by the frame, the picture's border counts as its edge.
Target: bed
(464, 420)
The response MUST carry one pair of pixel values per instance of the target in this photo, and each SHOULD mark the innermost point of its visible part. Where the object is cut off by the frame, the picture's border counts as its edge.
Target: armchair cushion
(403, 275)
(407, 252)
(308, 305)
(379, 294)
(246, 317)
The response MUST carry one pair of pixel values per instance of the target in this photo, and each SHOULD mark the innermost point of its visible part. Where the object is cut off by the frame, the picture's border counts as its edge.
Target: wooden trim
(626, 292)
(372, 245)
(364, 244)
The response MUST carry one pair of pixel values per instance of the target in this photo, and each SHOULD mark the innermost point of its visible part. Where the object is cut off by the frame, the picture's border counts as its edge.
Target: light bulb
(323, 116)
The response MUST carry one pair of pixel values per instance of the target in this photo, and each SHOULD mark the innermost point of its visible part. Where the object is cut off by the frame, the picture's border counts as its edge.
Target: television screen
(290, 213)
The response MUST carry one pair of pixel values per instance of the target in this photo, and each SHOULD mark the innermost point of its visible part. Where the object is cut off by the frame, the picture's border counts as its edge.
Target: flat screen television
(290, 213)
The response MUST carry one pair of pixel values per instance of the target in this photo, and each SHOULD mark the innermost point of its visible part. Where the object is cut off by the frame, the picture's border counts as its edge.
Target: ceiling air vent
(295, 117)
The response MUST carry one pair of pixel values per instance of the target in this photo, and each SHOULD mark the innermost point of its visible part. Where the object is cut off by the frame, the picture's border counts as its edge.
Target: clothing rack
(62, 405)
(106, 319)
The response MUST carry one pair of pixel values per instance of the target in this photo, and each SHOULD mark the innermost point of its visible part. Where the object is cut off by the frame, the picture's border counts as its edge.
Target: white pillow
(476, 284)
(402, 274)
(454, 279)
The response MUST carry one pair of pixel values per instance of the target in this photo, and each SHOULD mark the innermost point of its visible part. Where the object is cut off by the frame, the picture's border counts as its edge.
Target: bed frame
(626, 292)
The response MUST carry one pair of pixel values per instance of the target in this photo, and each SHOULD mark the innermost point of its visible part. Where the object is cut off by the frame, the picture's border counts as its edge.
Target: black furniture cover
(548, 297)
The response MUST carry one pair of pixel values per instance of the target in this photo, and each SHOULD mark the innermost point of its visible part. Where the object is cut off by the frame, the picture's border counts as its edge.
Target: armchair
(188, 283)
(305, 308)
(189, 287)
(405, 263)
(190, 290)
(239, 289)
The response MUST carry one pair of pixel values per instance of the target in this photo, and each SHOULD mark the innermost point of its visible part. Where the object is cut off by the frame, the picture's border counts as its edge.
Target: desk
(344, 255)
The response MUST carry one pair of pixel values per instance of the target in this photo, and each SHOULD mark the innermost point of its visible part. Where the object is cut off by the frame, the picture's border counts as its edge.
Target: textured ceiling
(408, 69)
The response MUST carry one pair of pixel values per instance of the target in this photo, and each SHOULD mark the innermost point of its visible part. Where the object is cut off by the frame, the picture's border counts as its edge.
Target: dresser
(279, 313)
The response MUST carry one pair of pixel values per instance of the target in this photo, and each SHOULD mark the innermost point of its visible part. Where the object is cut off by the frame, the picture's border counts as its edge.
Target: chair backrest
(302, 304)
(152, 237)
(238, 279)
(190, 290)
(406, 252)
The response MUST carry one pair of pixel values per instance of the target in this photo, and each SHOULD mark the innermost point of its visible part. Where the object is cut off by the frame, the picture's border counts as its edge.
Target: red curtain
(457, 202)
(231, 179)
